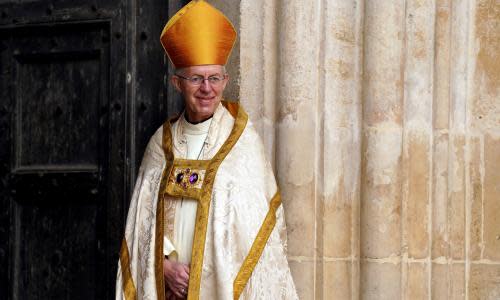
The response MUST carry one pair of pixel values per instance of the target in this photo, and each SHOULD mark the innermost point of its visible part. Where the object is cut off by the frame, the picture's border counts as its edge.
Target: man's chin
(204, 110)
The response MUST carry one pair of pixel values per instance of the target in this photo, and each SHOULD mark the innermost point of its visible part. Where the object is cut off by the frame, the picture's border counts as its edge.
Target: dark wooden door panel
(57, 251)
(58, 120)
(82, 87)
(58, 131)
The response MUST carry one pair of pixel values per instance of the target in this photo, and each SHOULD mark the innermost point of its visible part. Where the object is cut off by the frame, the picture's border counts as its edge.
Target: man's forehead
(203, 69)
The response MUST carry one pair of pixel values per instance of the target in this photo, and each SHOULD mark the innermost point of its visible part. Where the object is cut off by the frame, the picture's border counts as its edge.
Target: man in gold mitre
(205, 220)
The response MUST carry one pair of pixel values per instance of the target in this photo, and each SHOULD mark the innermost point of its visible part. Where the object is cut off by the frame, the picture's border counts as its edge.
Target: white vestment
(239, 246)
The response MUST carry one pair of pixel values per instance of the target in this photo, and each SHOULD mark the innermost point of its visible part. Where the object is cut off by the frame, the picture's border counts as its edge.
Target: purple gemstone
(193, 178)
(179, 178)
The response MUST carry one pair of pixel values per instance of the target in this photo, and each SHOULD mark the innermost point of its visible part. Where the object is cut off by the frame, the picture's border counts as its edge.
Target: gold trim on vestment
(159, 257)
(258, 245)
(232, 107)
(128, 282)
(203, 195)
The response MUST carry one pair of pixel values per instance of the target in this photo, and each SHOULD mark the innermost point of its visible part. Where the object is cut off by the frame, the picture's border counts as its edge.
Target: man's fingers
(184, 277)
(179, 279)
(182, 283)
(182, 274)
(180, 292)
(185, 270)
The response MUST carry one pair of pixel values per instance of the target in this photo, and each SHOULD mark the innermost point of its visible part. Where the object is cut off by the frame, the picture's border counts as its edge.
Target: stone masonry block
(380, 281)
(303, 277)
(418, 174)
(484, 282)
(417, 281)
(440, 242)
(381, 190)
(338, 280)
(491, 197)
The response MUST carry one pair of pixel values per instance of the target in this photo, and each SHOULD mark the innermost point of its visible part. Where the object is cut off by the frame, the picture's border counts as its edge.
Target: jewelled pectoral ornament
(186, 178)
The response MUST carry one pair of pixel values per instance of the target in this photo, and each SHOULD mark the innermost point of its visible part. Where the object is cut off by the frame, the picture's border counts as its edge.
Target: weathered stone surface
(476, 205)
(300, 217)
(440, 241)
(340, 151)
(418, 69)
(417, 195)
(456, 200)
(439, 284)
(337, 230)
(448, 281)
(303, 276)
(259, 63)
(459, 46)
(341, 202)
(382, 120)
(486, 111)
(383, 72)
(380, 281)
(418, 103)
(338, 280)
(297, 123)
(457, 281)
(442, 37)
(491, 216)
(484, 282)
(417, 286)
(381, 189)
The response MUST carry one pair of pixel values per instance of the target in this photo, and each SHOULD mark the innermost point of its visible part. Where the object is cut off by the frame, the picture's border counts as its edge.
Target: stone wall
(382, 119)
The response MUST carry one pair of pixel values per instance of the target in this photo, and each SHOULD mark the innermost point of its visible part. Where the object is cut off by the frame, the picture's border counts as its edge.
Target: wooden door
(81, 90)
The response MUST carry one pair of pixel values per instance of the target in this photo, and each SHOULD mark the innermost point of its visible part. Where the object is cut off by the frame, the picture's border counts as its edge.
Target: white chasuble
(239, 235)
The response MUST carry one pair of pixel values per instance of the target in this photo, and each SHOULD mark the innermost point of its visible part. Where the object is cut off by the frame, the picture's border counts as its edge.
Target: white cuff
(168, 247)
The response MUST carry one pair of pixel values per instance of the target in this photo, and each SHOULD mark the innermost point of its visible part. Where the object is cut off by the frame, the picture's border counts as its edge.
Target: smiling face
(201, 100)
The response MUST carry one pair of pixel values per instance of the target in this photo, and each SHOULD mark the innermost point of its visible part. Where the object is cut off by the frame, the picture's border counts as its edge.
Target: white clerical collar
(196, 129)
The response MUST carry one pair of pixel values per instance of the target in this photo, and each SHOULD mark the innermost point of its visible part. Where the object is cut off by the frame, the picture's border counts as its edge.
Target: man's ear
(176, 82)
(226, 80)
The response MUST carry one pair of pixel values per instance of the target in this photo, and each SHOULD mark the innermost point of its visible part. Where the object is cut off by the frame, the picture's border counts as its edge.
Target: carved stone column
(382, 121)
(301, 75)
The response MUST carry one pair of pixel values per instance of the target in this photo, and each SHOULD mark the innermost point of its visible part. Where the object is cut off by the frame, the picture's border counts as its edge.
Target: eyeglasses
(198, 79)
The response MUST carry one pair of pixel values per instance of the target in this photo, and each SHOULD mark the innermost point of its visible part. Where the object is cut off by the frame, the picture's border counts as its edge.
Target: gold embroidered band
(258, 245)
(128, 283)
(169, 157)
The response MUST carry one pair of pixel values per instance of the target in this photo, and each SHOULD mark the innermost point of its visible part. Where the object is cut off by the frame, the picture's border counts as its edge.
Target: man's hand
(176, 277)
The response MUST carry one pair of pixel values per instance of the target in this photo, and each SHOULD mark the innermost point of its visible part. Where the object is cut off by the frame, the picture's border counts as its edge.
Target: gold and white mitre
(198, 34)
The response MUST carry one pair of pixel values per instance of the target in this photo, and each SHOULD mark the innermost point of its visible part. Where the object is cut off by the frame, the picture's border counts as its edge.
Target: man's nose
(205, 85)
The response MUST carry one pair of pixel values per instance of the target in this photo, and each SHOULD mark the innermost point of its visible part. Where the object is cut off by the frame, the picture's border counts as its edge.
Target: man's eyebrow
(214, 74)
